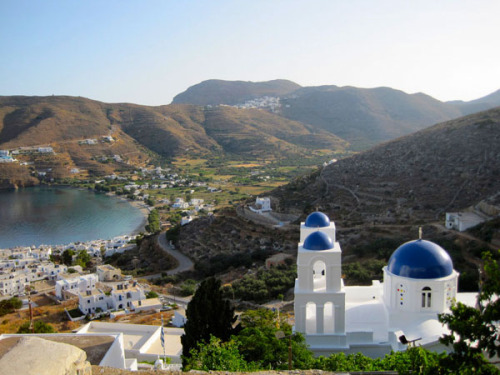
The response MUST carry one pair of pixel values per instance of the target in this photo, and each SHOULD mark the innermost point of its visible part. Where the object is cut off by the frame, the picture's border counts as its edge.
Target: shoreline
(144, 208)
(141, 228)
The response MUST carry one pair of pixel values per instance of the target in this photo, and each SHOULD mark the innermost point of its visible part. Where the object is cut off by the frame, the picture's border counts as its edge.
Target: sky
(148, 51)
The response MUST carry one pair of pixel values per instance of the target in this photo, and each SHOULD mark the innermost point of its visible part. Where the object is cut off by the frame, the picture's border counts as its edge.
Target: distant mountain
(417, 178)
(363, 117)
(172, 130)
(489, 101)
(214, 92)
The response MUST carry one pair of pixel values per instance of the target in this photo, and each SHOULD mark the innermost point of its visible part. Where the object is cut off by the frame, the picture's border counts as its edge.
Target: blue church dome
(317, 220)
(420, 259)
(318, 241)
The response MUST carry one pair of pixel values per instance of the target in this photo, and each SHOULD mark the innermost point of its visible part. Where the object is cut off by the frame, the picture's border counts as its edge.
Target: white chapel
(419, 283)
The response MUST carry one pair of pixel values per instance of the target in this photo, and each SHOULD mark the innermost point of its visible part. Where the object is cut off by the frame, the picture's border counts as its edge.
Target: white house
(419, 283)
(186, 220)
(75, 284)
(13, 284)
(462, 221)
(45, 150)
(124, 296)
(261, 205)
(141, 342)
(180, 203)
(106, 272)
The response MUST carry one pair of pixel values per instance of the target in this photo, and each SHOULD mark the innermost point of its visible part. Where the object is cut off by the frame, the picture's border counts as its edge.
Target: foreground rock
(33, 355)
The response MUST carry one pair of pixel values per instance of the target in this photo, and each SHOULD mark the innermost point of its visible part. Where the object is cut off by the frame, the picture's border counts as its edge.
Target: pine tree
(207, 314)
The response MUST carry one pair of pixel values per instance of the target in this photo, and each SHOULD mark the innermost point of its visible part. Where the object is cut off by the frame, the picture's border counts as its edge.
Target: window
(426, 297)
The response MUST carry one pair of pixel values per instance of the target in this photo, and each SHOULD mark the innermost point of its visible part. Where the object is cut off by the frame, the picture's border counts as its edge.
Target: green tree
(474, 329)
(67, 257)
(8, 306)
(217, 356)
(258, 342)
(151, 294)
(39, 327)
(208, 314)
(83, 259)
(153, 225)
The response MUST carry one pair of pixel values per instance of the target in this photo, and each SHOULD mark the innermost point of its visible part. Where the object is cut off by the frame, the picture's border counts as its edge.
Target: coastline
(144, 208)
(141, 206)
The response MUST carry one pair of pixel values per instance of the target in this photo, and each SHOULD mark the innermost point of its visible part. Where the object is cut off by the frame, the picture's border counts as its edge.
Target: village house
(125, 295)
(107, 272)
(70, 285)
(261, 205)
(462, 221)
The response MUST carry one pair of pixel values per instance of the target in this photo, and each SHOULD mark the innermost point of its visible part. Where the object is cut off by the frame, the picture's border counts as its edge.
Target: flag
(162, 337)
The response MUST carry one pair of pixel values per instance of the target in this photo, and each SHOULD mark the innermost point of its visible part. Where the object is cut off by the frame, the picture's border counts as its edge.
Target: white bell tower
(319, 290)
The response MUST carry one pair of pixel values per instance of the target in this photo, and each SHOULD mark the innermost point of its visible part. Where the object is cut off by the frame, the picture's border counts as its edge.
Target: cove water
(61, 215)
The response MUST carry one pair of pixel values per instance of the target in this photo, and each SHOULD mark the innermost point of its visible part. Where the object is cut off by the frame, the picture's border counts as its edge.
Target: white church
(419, 283)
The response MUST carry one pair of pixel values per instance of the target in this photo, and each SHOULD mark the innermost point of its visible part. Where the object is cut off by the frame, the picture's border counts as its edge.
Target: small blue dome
(318, 241)
(317, 220)
(420, 259)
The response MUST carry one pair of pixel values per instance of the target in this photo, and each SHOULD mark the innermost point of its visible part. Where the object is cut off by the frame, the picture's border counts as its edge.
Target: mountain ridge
(362, 116)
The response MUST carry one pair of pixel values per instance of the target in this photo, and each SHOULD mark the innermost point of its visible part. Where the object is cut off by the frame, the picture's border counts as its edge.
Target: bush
(38, 326)
(8, 306)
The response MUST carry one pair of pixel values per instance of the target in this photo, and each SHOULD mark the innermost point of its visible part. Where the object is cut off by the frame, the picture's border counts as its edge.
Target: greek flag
(162, 337)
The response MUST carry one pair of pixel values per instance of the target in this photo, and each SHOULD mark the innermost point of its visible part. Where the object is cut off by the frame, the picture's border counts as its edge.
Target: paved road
(185, 264)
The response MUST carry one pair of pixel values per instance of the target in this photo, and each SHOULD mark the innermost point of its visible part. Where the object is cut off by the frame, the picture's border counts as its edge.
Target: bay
(61, 215)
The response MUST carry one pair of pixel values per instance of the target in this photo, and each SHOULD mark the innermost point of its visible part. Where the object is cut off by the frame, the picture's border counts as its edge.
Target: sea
(61, 215)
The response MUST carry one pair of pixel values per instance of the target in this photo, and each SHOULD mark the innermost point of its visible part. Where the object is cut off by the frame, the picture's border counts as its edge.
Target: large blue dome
(317, 220)
(420, 259)
(318, 241)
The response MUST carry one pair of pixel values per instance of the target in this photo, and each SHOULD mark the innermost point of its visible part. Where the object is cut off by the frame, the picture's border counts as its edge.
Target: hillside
(140, 132)
(214, 92)
(363, 117)
(481, 104)
(417, 178)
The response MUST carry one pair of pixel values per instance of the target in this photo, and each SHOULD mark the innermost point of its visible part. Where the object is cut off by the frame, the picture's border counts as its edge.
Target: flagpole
(163, 341)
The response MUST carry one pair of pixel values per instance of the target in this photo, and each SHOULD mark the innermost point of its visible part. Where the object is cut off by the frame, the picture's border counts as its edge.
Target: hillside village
(237, 219)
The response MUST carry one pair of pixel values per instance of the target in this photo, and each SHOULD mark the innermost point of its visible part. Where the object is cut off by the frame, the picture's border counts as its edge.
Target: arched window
(426, 297)
(329, 318)
(310, 318)
(319, 275)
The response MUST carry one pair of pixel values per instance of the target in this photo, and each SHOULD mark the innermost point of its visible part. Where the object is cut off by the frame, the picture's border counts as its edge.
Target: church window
(319, 275)
(426, 297)
(310, 318)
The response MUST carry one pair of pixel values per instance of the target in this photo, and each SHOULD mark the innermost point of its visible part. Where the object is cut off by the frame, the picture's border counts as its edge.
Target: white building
(141, 342)
(107, 272)
(13, 284)
(75, 284)
(45, 150)
(462, 221)
(186, 220)
(261, 205)
(419, 283)
(124, 296)
(180, 203)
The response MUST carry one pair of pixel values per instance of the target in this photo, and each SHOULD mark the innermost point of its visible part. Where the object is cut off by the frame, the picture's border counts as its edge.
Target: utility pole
(28, 290)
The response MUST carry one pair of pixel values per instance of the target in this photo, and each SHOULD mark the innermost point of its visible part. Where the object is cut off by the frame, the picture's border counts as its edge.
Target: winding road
(185, 264)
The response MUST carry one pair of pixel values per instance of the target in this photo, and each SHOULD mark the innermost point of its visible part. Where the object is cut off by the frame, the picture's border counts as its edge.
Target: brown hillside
(447, 167)
(215, 91)
(173, 130)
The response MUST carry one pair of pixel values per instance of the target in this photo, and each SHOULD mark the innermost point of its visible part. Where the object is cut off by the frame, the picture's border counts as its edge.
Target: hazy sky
(147, 51)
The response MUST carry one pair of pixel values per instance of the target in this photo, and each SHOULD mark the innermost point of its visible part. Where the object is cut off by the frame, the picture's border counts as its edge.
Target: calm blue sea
(59, 215)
